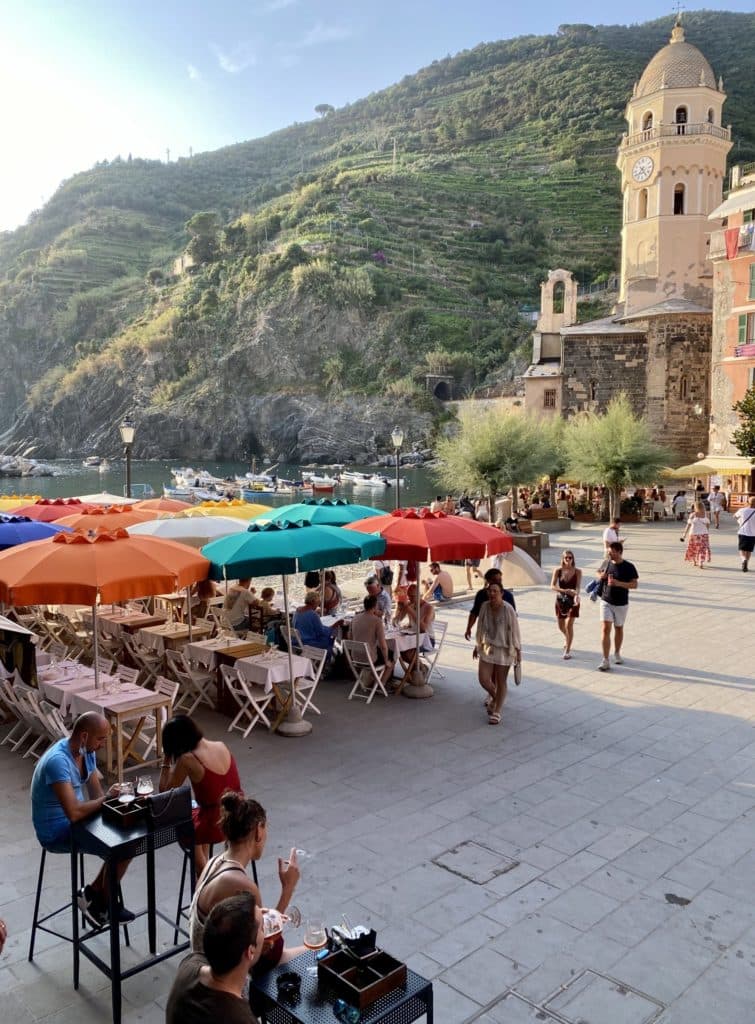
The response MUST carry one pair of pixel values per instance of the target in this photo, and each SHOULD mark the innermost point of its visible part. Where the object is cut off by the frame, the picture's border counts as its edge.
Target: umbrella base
(294, 725)
(417, 692)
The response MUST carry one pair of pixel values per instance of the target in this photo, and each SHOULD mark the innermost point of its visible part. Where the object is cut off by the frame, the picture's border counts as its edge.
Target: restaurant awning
(715, 465)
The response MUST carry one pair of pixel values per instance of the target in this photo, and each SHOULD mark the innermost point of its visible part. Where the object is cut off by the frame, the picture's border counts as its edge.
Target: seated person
(58, 800)
(212, 985)
(244, 825)
(408, 609)
(367, 628)
(376, 589)
(269, 611)
(201, 597)
(312, 630)
(239, 599)
(440, 586)
(331, 592)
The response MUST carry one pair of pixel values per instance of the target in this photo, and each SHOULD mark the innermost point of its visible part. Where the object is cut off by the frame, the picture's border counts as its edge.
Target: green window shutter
(752, 281)
(749, 215)
(742, 329)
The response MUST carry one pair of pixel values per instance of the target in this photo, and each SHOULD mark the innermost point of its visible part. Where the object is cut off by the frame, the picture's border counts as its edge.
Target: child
(266, 602)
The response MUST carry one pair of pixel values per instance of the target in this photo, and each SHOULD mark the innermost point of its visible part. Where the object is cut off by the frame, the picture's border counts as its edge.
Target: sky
(87, 80)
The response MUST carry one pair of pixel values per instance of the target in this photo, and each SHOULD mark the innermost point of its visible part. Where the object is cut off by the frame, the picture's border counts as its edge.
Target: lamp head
(127, 429)
(397, 436)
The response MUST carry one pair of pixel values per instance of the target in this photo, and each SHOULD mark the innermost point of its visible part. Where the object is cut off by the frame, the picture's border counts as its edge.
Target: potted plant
(582, 511)
(630, 509)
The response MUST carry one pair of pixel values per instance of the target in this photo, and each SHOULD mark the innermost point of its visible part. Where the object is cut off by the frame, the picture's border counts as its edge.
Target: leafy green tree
(614, 449)
(492, 452)
(204, 229)
(324, 109)
(744, 436)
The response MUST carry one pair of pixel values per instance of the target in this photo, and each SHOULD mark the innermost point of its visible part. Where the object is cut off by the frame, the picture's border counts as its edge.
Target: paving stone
(594, 999)
(485, 975)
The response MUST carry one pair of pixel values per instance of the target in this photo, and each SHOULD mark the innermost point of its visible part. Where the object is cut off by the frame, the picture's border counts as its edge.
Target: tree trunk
(491, 507)
(615, 498)
(514, 499)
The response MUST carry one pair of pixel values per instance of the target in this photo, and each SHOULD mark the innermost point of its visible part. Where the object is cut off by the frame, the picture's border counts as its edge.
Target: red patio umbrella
(49, 511)
(432, 536)
(116, 517)
(163, 504)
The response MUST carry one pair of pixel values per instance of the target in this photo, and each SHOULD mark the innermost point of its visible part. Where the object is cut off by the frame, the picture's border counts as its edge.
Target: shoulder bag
(173, 807)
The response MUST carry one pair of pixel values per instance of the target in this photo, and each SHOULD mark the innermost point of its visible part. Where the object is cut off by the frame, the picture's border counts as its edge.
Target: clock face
(642, 169)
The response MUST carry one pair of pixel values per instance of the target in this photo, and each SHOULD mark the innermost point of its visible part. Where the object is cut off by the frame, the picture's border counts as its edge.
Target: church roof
(606, 325)
(666, 308)
(679, 65)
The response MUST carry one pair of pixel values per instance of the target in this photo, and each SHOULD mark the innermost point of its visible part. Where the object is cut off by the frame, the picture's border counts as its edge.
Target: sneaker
(91, 907)
(618, 659)
(744, 567)
(125, 916)
(604, 666)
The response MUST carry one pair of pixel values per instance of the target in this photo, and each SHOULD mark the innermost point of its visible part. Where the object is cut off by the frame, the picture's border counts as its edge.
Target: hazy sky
(85, 80)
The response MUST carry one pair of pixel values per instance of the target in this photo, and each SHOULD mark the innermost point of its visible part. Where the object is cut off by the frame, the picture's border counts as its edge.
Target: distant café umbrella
(195, 532)
(323, 511)
(105, 498)
(21, 530)
(426, 536)
(50, 510)
(236, 509)
(163, 504)
(11, 501)
(116, 517)
(284, 549)
(73, 568)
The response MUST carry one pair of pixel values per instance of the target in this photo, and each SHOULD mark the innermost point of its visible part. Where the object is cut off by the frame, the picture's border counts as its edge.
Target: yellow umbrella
(235, 509)
(8, 501)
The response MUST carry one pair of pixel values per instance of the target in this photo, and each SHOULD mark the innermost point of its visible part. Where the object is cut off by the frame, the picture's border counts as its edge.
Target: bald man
(66, 788)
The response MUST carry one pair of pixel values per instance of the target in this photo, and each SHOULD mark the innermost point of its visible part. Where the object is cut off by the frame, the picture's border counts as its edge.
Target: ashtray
(289, 985)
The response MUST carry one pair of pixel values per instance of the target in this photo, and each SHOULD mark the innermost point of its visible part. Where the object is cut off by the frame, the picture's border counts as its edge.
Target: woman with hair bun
(244, 825)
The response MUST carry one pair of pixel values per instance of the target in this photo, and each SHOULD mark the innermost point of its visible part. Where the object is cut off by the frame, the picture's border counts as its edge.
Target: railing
(663, 131)
(745, 351)
(717, 247)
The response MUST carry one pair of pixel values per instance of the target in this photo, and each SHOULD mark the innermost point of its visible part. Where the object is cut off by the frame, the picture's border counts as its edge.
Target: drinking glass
(315, 936)
(144, 785)
(126, 793)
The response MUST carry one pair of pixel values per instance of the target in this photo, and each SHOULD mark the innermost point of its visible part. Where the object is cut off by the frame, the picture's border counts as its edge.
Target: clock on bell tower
(672, 161)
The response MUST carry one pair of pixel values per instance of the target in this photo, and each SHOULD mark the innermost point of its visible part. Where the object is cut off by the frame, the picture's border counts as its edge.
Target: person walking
(618, 578)
(697, 535)
(611, 534)
(716, 503)
(498, 646)
(567, 582)
(745, 517)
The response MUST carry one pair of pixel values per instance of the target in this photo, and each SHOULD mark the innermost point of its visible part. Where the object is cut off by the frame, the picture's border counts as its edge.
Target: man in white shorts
(619, 577)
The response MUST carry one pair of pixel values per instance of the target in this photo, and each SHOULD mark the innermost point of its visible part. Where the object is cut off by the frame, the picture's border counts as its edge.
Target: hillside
(337, 261)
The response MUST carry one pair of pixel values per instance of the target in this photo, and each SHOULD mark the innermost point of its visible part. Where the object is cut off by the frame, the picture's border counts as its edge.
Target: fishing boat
(91, 461)
(321, 484)
(376, 481)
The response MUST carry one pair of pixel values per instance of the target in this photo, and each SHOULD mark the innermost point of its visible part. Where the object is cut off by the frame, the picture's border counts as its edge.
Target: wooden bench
(544, 513)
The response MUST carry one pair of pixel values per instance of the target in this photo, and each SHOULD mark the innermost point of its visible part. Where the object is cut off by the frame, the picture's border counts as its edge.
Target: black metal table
(114, 844)
(315, 1004)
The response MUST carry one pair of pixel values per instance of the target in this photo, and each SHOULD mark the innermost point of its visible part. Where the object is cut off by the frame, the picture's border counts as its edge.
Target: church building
(656, 345)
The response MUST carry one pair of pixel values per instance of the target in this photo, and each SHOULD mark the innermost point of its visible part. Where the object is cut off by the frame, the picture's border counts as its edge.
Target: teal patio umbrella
(286, 548)
(322, 511)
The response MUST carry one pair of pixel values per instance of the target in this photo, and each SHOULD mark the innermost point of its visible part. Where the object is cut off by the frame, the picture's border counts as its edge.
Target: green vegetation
(398, 236)
(744, 436)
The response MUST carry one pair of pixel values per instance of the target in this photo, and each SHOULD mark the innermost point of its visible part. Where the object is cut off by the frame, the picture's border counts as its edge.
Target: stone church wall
(679, 350)
(597, 367)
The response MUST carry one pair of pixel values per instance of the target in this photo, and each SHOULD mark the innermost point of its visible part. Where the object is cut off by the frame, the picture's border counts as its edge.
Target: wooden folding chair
(148, 731)
(429, 658)
(367, 674)
(194, 682)
(252, 701)
(129, 676)
(307, 686)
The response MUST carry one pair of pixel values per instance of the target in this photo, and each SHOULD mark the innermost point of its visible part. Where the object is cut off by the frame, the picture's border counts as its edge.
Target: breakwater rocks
(15, 466)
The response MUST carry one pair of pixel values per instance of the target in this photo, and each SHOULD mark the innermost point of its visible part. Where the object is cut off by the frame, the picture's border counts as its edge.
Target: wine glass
(144, 785)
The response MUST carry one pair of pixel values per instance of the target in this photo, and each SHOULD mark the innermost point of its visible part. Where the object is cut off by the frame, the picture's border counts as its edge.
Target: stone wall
(597, 367)
(679, 382)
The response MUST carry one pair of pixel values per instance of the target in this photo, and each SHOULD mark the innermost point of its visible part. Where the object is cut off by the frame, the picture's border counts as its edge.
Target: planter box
(584, 517)
(630, 517)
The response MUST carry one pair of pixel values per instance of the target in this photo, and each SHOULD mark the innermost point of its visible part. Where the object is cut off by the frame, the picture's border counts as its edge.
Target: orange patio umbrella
(163, 504)
(49, 511)
(72, 568)
(117, 517)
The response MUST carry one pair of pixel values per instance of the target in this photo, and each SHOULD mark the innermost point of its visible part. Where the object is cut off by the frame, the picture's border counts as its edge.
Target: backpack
(386, 576)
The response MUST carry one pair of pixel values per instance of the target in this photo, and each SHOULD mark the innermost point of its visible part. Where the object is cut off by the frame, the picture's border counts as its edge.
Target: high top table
(114, 844)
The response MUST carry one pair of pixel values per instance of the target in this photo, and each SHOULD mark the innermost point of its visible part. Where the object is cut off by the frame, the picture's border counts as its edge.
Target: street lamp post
(397, 436)
(128, 429)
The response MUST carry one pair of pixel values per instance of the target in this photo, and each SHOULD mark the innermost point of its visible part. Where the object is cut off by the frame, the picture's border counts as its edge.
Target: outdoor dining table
(208, 652)
(57, 682)
(271, 669)
(405, 640)
(171, 635)
(129, 621)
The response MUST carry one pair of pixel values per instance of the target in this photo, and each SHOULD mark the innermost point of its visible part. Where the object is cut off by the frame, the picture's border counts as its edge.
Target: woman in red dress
(211, 769)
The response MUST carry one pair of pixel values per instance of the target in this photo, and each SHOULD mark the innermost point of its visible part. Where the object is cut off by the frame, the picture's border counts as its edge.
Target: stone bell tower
(672, 161)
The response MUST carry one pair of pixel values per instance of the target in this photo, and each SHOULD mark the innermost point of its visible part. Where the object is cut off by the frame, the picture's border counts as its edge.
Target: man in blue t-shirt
(66, 788)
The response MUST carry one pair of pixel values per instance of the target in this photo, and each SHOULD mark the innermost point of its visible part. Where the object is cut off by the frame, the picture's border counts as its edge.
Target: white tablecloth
(265, 669)
(401, 640)
(203, 651)
(98, 700)
(63, 691)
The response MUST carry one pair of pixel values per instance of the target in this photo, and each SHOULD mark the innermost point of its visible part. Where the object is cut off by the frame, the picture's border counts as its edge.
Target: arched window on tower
(711, 116)
(683, 389)
(559, 290)
(642, 204)
(593, 390)
(678, 199)
(680, 119)
(647, 120)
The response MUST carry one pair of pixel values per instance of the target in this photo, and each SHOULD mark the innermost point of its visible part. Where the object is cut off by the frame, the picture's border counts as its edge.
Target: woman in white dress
(498, 646)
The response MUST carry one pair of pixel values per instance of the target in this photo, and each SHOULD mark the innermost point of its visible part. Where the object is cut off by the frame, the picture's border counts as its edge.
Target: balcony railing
(717, 247)
(746, 351)
(663, 131)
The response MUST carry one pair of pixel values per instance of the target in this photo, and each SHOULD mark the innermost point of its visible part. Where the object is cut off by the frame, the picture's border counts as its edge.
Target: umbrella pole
(418, 691)
(188, 611)
(293, 724)
(96, 648)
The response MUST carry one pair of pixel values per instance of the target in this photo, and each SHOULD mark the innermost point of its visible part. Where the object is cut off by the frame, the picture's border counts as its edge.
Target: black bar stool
(39, 923)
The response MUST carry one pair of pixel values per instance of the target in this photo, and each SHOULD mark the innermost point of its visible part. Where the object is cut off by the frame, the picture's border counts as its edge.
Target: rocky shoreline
(14, 466)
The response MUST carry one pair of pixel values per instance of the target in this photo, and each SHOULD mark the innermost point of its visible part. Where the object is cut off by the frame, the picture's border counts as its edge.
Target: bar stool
(182, 908)
(38, 923)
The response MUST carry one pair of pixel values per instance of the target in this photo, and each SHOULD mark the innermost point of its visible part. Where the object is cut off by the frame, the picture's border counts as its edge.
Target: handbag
(173, 807)
(517, 673)
(566, 601)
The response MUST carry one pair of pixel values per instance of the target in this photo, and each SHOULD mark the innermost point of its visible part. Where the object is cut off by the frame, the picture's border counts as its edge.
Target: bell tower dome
(672, 160)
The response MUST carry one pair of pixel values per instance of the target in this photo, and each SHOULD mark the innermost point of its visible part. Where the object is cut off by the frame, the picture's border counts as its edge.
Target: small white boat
(323, 484)
(91, 461)
(376, 481)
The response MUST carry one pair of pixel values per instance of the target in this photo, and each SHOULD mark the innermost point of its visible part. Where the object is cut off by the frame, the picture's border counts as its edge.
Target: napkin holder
(124, 815)
(361, 980)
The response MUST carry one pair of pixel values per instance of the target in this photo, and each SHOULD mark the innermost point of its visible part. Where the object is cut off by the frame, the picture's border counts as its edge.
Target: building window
(593, 390)
(647, 121)
(752, 282)
(678, 199)
(746, 332)
(549, 398)
(680, 119)
(751, 377)
(559, 290)
(642, 204)
(748, 216)
(711, 116)
(683, 389)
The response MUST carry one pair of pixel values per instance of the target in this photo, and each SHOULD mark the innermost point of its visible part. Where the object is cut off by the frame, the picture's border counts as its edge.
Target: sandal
(494, 718)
